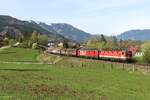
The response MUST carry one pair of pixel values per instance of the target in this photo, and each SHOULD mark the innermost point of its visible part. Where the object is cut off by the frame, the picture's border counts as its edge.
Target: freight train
(112, 55)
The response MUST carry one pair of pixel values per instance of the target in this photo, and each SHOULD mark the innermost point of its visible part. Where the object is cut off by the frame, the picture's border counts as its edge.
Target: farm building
(134, 50)
(138, 54)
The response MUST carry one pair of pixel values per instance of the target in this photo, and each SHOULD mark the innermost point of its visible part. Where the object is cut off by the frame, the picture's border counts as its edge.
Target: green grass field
(71, 79)
(18, 54)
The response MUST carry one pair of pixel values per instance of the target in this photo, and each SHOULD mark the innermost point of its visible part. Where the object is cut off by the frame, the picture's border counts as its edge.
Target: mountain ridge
(15, 28)
(67, 31)
(136, 34)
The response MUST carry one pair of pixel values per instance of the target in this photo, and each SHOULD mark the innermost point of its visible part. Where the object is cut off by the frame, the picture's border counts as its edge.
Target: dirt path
(28, 63)
(5, 47)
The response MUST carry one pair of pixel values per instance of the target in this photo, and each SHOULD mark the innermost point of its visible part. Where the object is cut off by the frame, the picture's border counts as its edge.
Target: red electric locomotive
(123, 55)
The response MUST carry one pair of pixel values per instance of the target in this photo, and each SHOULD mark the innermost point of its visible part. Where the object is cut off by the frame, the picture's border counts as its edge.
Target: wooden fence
(130, 67)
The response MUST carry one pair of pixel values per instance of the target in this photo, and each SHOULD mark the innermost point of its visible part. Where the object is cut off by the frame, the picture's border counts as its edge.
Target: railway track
(144, 68)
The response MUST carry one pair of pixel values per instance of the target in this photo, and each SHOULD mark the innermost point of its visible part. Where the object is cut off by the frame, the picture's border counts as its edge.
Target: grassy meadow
(18, 55)
(69, 79)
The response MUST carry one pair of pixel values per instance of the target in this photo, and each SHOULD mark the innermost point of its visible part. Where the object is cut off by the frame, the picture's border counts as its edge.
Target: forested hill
(67, 31)
(14, 28)
(135, 35)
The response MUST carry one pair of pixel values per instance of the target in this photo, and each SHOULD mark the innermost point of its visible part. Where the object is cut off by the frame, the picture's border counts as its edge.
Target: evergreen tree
(103, 38)
(65, 44)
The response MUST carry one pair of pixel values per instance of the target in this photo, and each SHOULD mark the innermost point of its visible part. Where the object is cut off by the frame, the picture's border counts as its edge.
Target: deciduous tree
(43, 39)
(34, 37)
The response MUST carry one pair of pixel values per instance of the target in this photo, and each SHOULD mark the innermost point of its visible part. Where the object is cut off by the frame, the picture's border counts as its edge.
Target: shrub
(25, 44)
(146, 52)
(12, 42)
(34, 46)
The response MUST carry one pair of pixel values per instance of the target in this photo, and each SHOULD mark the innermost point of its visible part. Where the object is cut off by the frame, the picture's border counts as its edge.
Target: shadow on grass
(23, 70)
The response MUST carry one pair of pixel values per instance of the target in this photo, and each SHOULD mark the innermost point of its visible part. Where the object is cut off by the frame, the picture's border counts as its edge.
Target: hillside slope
(67, 31)
(12, 27)
(135, 35)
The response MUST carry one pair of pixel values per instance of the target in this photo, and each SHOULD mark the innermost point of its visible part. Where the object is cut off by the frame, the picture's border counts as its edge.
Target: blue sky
(109, 17)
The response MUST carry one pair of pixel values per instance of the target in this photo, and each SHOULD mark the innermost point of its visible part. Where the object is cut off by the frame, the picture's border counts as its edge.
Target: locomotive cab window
(123, 53)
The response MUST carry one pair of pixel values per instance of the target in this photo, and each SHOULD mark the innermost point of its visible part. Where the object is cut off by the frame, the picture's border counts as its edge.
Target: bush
(34, 46)
(146, 52)
(43, 39)
(12, 42)
(25, 44)
(137, 59)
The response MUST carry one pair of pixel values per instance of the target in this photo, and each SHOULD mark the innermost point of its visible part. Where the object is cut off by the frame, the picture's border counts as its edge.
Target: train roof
(116, 49)
(113, 49)
(88, 49)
